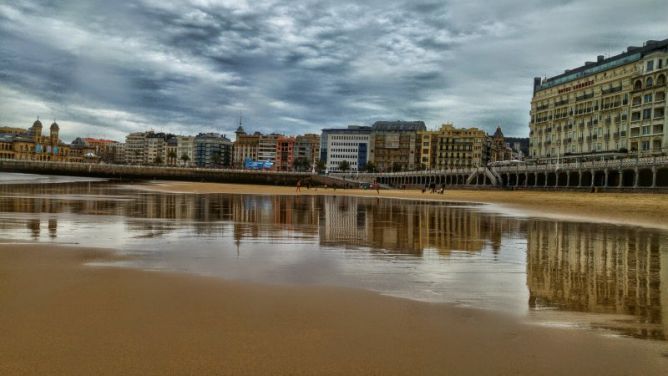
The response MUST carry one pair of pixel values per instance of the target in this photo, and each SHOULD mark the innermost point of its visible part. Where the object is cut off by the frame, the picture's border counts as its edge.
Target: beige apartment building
(613, 106)
(246, 146)
(394, 144)
(451, 147)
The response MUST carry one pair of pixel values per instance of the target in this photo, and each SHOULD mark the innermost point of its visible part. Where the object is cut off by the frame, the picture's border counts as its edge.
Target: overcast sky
(106, 68)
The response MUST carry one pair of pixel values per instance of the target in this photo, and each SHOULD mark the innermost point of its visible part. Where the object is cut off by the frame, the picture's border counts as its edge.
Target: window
(648, 98)
(644, 145)
(646, 113)
(650, 65)
(649, 82)
(661, 80)
(645, 130)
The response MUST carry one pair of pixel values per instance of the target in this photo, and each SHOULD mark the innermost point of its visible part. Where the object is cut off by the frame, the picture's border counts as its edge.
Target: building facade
(307, 148)
(351, 144)
(96, 148)
(31, 144)
(212, 150)
(285, 153)
(246, 147)
(267, 145)
(185, 150)
(612, 106)
(395, 145)
(451, 147)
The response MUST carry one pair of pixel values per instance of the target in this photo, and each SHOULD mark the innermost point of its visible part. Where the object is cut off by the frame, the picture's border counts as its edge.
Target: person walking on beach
(376, 186)
(299, 185)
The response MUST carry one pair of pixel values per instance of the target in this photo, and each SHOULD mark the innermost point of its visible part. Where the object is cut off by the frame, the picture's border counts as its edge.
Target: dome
(54, 126)
(37, 123)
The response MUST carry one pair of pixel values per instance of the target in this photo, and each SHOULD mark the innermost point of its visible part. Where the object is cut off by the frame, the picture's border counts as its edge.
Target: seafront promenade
(618, 174)
(640, 174)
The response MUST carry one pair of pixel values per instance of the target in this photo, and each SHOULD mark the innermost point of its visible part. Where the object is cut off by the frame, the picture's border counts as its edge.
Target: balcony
(584, 97)
(611, 90)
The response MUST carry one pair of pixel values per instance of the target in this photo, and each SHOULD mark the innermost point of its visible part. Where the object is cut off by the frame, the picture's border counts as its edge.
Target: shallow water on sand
(602, 276)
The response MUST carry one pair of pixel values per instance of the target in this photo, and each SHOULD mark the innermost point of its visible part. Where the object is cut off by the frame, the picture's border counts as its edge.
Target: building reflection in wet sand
(595, 268)
(572, 267)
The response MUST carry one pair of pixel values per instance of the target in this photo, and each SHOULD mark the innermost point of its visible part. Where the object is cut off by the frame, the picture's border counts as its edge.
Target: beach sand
(642, 209)
(59, 317)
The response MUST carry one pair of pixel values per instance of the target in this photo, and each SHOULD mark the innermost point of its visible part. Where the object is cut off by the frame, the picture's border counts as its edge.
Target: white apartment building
(267, 148)
(352, 144)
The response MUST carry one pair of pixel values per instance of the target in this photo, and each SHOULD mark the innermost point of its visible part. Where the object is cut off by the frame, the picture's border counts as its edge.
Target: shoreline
(614, 208)
(61, 316)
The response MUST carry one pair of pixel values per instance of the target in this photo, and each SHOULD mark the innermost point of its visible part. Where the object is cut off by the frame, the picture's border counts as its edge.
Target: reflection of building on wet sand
(409, 226)
(601, 269)
(252, 216)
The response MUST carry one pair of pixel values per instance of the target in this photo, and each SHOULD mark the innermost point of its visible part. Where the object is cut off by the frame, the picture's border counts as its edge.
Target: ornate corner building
(30, 144)
(614, 107)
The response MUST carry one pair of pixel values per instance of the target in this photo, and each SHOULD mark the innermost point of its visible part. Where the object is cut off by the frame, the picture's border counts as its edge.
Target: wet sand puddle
(572, 274)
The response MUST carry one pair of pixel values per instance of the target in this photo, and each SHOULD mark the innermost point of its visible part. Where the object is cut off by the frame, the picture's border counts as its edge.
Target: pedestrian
(299, 185)
(376, 186)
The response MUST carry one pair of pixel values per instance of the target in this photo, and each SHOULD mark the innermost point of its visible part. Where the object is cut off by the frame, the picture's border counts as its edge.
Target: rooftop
(349, 129)
(399, 126)
(632, 53)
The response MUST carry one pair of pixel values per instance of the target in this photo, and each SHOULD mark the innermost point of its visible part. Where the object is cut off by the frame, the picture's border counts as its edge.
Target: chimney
(536, 83)
(599, 58)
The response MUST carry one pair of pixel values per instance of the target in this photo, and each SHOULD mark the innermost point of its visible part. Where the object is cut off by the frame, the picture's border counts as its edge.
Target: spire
(240, 129)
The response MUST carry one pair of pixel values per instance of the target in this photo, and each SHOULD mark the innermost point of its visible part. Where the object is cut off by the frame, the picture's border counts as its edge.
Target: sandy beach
(649, 210)
(61, 317)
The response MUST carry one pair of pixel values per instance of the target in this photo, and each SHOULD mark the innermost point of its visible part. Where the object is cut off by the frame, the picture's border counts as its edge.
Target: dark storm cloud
(105, 69)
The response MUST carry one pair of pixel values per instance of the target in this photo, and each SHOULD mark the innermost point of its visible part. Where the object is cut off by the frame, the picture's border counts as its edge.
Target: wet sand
(60, 317)
(649, 210)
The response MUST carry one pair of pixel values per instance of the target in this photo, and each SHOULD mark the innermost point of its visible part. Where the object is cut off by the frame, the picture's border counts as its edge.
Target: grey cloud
(189, 66)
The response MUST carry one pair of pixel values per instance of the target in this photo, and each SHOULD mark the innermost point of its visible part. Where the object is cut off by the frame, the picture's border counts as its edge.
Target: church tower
(53, 136)
(36, 131)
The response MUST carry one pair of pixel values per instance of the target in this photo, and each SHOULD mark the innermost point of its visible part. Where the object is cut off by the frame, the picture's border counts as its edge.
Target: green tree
(396, 167)
(185, 158)
(371, 167)
(171, 157)
(344, 166)
(320, 166)
(301, 164)
(158, 160)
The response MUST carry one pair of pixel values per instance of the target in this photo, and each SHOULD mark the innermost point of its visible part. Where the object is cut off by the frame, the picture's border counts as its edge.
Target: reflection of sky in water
(559, 272)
